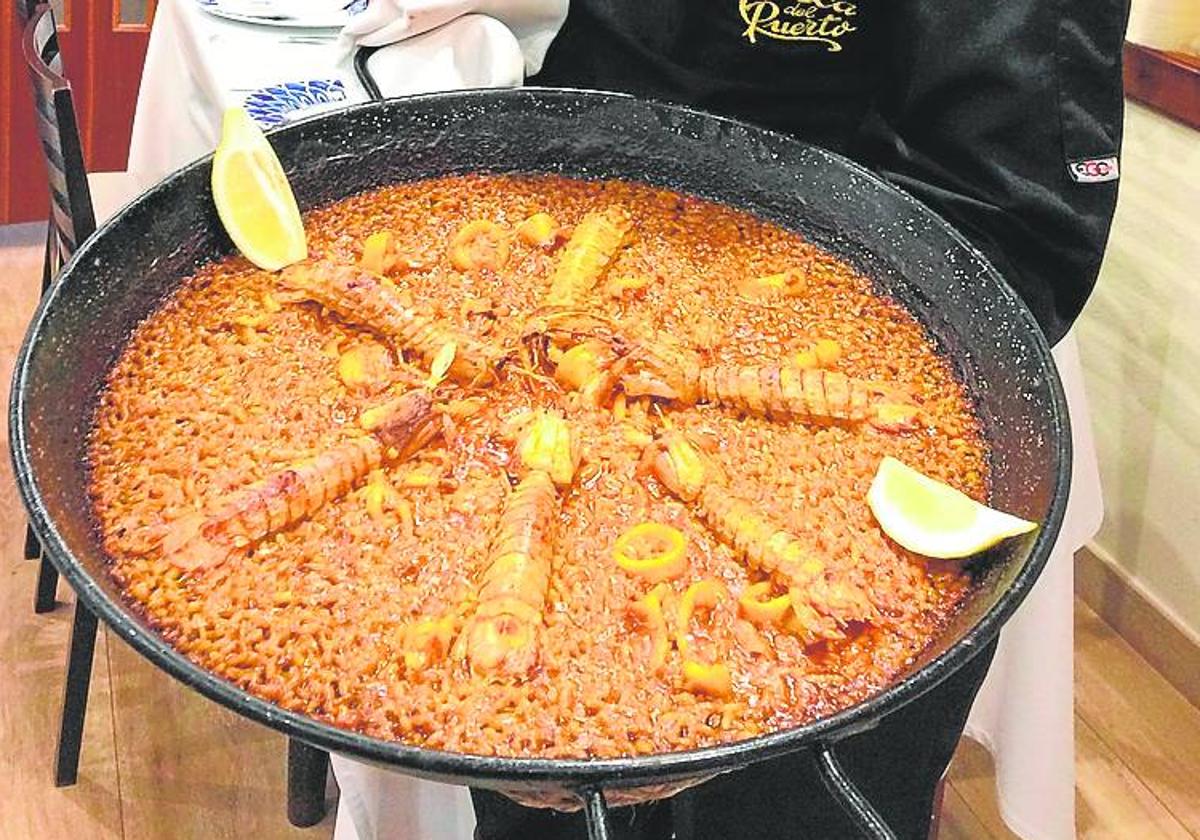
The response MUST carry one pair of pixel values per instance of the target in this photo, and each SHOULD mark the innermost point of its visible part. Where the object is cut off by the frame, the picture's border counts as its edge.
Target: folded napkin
(472, 51)
(306, 12)
(534, 23)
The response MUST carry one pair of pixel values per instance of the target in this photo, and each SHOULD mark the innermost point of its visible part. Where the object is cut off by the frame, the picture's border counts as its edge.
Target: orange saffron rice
(231, 380)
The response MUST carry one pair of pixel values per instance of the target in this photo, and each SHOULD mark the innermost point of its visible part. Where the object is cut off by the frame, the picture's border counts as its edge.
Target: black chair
(72, 220)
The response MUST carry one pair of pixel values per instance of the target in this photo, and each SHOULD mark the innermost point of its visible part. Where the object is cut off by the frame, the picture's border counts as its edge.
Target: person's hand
(387, 21)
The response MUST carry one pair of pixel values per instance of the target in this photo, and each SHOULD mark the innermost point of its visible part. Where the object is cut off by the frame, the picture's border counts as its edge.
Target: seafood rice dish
(531, 466)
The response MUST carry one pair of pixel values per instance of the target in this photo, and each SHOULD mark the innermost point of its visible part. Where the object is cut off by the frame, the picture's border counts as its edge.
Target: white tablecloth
(1024, 713)
(197, 65)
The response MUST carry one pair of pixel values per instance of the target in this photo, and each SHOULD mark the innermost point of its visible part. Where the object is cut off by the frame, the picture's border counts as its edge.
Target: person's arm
(1005, 117)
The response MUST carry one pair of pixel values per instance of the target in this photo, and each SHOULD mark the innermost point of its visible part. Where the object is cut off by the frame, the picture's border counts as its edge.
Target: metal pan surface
(120, 275)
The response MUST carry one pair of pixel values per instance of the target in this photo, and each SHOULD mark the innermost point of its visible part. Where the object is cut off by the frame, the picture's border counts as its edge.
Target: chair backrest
(71, 213)
(25, 9)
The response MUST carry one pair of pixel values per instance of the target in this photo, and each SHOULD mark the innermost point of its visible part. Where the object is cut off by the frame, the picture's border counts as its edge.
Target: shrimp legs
(396, 431)
(364, 298)
(820, 605)
(503, 636)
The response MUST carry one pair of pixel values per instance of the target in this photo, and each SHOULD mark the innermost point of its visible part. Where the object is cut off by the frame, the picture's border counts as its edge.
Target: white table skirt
(1025, 712)
(197, 65)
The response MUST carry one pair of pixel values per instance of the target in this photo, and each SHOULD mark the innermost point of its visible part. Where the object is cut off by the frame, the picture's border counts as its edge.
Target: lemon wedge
(931, 518)
(253, 197)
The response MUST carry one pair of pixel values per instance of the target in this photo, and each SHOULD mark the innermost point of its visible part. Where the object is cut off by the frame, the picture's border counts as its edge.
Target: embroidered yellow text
(821, 21)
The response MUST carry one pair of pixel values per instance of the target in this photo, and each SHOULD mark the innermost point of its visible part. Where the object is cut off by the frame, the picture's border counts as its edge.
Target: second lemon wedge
(253, 196)
(934, 519)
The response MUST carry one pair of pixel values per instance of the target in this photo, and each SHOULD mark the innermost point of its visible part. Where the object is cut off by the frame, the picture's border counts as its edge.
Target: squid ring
(652, 551)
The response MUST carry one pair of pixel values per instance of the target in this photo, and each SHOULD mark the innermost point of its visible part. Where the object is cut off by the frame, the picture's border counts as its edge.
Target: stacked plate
(276, 104)
(307, 14)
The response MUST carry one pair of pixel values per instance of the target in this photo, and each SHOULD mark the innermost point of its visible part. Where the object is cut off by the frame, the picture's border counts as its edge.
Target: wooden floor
(161, 762)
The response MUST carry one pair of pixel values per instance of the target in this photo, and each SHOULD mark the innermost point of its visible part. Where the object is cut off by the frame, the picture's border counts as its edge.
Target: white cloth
(377, 804)
(472, 51)
(533, 23)
(1025, 712)
(197, 64)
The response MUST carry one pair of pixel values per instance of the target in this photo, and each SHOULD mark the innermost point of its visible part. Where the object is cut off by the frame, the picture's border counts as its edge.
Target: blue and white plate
(276, 104)
(302, 14)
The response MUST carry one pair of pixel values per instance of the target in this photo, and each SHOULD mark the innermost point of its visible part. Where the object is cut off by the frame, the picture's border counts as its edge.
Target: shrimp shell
(503, 635)
(587, 253)
(298, 491)
(822, 604)
(361, 297)
(268, 506)
(776, 391)
(763, 545)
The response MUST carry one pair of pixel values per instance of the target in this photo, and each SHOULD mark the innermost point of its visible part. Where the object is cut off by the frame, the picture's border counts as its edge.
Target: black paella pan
(123, 272)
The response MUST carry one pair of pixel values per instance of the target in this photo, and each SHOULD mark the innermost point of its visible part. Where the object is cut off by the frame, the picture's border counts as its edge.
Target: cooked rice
(210, 395)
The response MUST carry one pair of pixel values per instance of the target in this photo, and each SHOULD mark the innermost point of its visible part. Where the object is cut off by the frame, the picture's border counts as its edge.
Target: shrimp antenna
(663, 418)
(441, 364)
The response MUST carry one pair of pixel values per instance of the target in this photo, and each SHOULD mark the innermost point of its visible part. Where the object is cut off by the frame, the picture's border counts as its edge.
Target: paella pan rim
(517, 773)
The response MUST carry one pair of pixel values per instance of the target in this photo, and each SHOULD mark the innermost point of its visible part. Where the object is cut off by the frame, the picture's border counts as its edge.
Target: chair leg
(935, 819)
(75, 696)
(47, 582)
(48, 258)
(47, 586)
(33, 546)
(308, 769)
(47, 575)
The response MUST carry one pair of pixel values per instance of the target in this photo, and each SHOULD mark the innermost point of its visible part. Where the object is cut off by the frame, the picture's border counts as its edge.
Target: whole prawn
(778, 391)
(361, 297)
(503, 635)
(398, 429)
(587, 253)
(821, 605)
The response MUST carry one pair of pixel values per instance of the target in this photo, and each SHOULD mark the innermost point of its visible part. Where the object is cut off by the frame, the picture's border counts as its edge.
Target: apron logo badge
(1094, 170)
(820, 21)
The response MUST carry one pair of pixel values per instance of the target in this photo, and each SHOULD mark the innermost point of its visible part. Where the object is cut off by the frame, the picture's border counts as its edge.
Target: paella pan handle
(595, 811)
(364, 73)
(856, 806)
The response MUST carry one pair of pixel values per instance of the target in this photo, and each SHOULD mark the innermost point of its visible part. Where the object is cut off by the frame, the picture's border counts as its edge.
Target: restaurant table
(198, 64)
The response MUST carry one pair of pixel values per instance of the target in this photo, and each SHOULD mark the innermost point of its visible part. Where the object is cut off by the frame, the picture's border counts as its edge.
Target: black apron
(806, 69)
(1004, 116)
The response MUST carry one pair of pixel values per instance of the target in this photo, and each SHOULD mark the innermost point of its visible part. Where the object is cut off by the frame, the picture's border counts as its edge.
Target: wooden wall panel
(8, 39)
(23, 172)
(1167, 82)
(103, 55)
(121, 40)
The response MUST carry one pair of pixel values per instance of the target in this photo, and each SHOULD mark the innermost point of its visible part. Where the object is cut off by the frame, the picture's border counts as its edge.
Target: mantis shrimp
(778, 391)
(503, 634)
(583, 350)
(396, 431)
(585, 256)
(819, 604)
(364, 298)
(589, 250)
